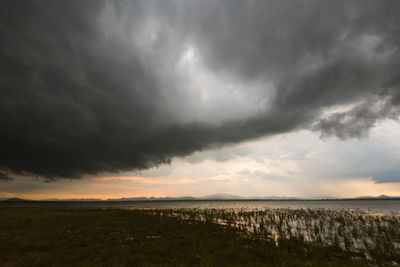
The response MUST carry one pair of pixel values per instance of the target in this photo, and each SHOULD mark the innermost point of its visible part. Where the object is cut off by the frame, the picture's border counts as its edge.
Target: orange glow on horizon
(44, 196)
(128, 187)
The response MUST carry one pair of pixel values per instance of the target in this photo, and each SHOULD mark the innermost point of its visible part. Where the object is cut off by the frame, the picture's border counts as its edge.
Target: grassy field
(114, 237)
(374, 236)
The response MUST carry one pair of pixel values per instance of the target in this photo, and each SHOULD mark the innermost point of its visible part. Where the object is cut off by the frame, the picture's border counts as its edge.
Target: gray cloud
(357, 121)
(5, 177)
(103, 86)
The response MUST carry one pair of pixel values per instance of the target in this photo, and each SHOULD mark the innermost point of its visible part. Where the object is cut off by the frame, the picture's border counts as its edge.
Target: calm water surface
(380, 206)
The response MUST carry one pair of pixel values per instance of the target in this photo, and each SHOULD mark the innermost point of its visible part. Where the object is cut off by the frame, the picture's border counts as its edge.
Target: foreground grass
(66, 237)
(373, 236)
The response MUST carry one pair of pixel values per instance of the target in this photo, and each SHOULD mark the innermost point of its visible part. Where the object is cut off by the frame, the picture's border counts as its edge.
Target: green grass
(114, 237)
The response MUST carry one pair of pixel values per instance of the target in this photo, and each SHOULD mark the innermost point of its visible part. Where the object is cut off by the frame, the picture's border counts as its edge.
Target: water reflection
(372, 206)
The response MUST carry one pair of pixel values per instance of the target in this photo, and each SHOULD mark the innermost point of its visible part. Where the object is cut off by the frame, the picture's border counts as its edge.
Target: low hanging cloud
(102, 86)
(356, 122)
(5, 177)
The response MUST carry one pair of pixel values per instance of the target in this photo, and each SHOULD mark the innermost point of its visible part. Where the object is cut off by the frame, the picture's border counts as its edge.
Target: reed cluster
(374, 236)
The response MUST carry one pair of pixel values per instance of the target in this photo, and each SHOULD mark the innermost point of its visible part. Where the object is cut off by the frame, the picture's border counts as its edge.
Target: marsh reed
(374, 236)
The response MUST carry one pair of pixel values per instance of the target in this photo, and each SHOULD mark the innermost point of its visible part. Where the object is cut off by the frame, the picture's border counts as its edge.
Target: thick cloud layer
(108, 86)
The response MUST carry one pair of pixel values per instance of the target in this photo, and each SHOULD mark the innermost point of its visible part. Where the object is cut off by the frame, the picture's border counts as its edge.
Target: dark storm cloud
(107, 86)
(357, 121)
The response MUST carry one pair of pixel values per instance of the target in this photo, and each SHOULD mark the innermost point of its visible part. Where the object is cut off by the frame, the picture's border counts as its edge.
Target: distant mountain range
(14, 199)
(380, 197)
(209, 197)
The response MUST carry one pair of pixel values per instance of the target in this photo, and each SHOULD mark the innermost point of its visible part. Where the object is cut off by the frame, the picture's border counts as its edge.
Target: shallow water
(373, 206)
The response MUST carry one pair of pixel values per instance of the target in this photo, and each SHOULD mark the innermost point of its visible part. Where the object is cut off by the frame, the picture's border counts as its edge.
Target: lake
(379, 206)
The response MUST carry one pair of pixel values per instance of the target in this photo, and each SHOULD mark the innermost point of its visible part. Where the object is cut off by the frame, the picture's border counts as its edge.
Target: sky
(109, 99)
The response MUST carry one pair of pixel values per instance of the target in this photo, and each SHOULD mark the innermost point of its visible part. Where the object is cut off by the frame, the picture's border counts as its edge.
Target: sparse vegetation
(374, 237)
(193, 237)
